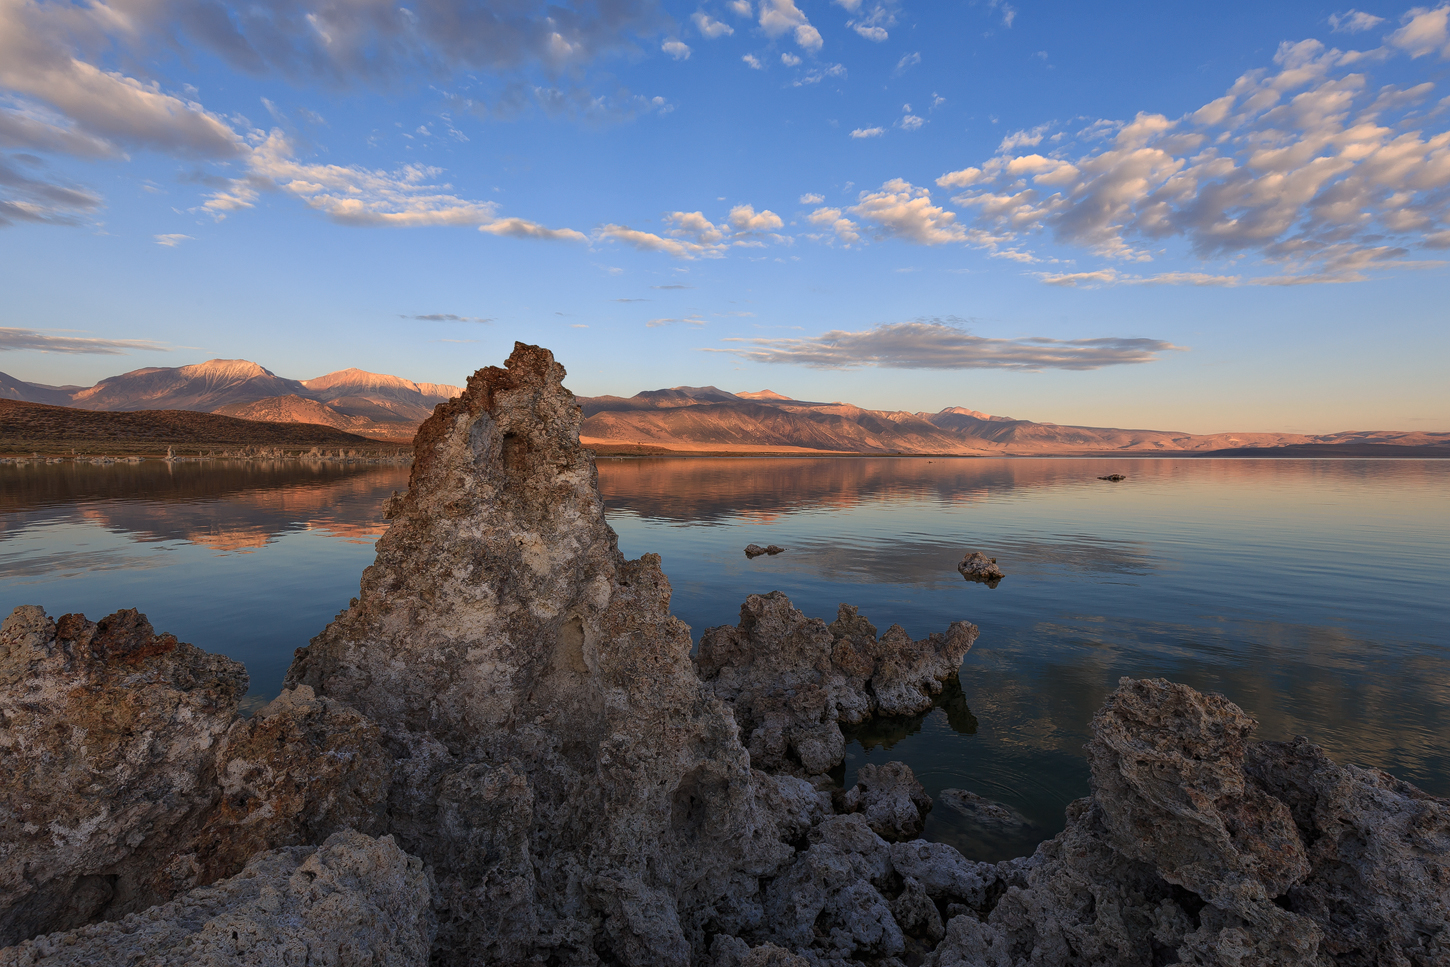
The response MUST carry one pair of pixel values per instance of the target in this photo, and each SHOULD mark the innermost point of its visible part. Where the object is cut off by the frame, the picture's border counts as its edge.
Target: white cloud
(709, 27)
(902, 210)
(649, 242)
(20, 340)
(911, 122)
(741, 8)
(677, 49)
(1425, 31)
(753, 62)
(877, 34)
(820, 74)
(744, 218)
(868, 132)
(907, 62)
(520, 228)
(778, 17)
(845, 230)
(810, 198)
(173, 240)
(939, 345)
(1307, 167)
(873, 23)
(789, 59)
(1353, 21)
(27, 194)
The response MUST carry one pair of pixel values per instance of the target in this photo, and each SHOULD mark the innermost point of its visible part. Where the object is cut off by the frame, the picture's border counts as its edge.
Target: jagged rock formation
(511, 701)
(791, 679)
(355, 901)
(560, 766)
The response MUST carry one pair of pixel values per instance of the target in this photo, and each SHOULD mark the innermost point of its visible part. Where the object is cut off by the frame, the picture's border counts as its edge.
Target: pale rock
(355, 901)
(977, 566)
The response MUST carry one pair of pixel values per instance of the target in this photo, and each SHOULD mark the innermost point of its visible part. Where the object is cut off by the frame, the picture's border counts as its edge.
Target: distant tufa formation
(503, 753)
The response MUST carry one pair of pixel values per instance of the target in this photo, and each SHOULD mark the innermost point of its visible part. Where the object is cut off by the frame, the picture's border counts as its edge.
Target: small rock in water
(1114, 477)
(983, 812)
(755, 550)
(977, 566)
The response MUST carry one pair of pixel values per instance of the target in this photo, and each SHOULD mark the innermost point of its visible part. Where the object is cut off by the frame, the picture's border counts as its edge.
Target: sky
(1201, 217)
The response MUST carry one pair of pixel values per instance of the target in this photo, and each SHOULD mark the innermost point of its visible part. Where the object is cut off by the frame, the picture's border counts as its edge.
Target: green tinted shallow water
(1315, 593)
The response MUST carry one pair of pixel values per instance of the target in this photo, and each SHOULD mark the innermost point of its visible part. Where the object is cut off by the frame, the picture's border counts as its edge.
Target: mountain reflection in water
(1312, 593)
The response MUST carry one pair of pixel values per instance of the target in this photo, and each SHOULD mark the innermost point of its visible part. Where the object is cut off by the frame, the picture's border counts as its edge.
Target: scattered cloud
(907, 62)
(677, 49)
(779, 17)
(741, 8)
(868, 132)
(902, 210)
(26, 195)
(810, 198)
(628, 300)
(1005, 9)
(22, 340)
(744, 218)
(844, 230)
(789, 59)
(672, 286)
(691, 320)
(1353, 21)
(820, 74)
(871, 20)
(1307, 167)
(1425, 31)
(911, 122)
(709, 27)
(173, 240)
(753, 62)
(446, 317)
(936, 344)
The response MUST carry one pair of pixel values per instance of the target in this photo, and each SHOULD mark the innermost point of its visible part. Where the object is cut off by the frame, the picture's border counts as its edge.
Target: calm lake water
(1314, 593)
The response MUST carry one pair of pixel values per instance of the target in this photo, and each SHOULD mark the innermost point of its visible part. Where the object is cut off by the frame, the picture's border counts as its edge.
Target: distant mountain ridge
(678, 419)
(704, 419)
(353, 400)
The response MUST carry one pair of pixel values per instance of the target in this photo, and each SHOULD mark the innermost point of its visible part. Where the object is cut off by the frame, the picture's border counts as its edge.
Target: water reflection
(1312, 593)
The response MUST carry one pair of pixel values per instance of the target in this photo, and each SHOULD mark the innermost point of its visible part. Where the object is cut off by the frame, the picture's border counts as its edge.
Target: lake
(1314, 593)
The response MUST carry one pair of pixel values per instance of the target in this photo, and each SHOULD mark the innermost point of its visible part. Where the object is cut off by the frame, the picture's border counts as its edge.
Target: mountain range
(369, 404)
(682, 419)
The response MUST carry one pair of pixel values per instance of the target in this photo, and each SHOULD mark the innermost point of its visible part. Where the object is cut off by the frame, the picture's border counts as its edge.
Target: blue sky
(1232, 217)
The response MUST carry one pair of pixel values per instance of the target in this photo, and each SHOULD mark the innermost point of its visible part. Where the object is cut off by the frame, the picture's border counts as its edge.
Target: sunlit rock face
(108, 735)
(559, 764)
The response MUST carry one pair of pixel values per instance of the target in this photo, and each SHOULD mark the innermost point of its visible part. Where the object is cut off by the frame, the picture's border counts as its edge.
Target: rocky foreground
(503, 753)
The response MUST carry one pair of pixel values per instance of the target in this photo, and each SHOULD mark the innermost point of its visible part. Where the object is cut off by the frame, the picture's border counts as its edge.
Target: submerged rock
(1114, 477)
(755, 550)
(352, 902)
(976, 566)
(986, 813)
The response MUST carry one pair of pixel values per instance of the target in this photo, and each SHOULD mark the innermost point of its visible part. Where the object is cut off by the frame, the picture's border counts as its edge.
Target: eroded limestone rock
(893, 803)
(977, 566)
(791, 679)
(108, 735)
(560, 766)
(355, 901)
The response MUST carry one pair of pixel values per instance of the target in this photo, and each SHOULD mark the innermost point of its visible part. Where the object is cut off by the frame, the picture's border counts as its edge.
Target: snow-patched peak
(765, 394)
(963, 411)
(360, 379)
(224, 370)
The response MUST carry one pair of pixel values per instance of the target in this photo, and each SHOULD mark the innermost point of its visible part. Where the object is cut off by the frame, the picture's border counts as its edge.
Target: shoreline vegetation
(503, 752)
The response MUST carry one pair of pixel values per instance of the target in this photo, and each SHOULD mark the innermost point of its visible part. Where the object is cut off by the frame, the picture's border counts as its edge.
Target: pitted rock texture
(1199, 847)
(977, 566)
(560, 766)
(353, 902)
(889, 797)
(791, 679)
(108, 735)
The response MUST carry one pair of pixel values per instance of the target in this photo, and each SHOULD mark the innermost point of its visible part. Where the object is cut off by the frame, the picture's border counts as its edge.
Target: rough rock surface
(108, 734)
(977, 566)
(560, 766)
(1198, 847)
(353, 902)
(791, 679)
(755, 550)
(892, 801)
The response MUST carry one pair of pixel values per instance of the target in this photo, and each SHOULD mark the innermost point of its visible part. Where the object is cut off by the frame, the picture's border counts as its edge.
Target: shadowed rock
(894, 803)
(353, 901)
(983, 812)
(978, 567)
